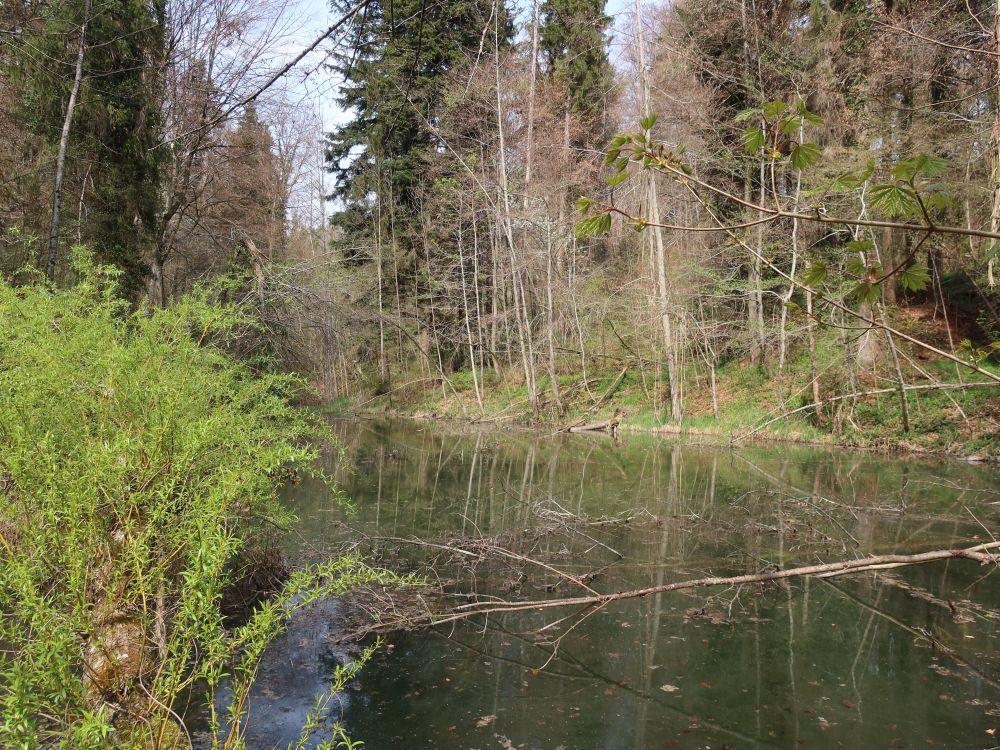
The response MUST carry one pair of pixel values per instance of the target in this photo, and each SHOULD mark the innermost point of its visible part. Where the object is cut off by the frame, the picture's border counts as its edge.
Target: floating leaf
(669, 688)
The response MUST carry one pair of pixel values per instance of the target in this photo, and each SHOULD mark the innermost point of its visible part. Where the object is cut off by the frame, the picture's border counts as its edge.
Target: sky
(318, 87)
(313, 89)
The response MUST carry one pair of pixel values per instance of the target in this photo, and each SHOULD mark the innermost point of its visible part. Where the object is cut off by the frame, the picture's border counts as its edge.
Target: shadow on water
(905, 658)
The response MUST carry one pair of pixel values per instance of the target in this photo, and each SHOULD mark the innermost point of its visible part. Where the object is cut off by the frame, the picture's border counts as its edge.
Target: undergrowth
(136, 460)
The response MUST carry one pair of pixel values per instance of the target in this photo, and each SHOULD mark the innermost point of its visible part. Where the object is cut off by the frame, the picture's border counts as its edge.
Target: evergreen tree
(395, 73)
(117, 127)
(255, 210)
(574, 46)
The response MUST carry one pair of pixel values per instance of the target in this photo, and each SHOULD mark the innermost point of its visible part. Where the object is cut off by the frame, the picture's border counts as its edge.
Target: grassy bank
(748, 406)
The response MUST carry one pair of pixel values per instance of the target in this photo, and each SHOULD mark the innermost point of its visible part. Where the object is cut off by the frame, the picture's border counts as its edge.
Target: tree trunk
(783, 336)
(551, 325)
(657, 234)
(755, 306)
(903, 403)
(995, 149)
(465, 307)
(533, 75)
(812, 358)
(50, 265)
(520, 305)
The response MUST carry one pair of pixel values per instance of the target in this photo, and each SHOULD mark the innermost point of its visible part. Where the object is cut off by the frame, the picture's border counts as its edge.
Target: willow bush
(136, 460)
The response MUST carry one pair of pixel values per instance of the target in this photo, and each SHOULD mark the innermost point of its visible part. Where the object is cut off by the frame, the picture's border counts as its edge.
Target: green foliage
(117, 125)
(815, 274)
(804, 155)
(895, 201)
(915, 278)
(572, 41)
(780, 122)
(993, 252)
(135, 462)
(847, 181)
(594, 226)
(753, 140)
(395, 71)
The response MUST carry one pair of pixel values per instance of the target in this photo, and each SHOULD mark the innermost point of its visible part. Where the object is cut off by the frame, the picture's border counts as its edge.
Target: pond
(899, 658)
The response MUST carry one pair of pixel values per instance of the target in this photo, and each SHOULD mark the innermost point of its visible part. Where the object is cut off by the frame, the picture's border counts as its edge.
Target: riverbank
(747, 406)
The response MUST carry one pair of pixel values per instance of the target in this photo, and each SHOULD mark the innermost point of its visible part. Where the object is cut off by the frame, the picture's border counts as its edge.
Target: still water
(901, 658)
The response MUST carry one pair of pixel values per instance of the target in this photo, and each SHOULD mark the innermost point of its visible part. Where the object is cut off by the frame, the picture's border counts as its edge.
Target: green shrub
(135, 462)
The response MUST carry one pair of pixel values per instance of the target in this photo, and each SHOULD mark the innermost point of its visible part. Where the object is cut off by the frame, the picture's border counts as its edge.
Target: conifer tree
(116, 129)
(574, 47)
(395, 73)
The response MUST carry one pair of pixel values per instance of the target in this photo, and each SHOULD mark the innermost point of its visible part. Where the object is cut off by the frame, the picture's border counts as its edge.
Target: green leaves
(915, 278)
(977, 355)
(866, 293)
(753, 140)
(922, 165)
(647, 123)
(847, 181)
(781, 123)
(617, 179)
(911, 196)
(615, 148)
(773, 110)
(895, 201)
(856, 266)
(593, 226)
(804, 155)
(992, 252)
(141, 446)
(815, 274)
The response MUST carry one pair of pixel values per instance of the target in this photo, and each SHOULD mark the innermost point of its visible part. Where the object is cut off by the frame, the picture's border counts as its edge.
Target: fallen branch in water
(979, 553)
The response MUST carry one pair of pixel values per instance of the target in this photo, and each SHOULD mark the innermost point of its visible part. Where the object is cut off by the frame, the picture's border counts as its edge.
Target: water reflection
(907, 658)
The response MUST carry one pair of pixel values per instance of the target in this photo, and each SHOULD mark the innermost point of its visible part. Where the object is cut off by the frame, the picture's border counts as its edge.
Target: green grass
(748, 398)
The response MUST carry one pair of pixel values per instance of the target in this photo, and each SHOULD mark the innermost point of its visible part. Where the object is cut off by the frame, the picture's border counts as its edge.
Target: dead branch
(979, 553)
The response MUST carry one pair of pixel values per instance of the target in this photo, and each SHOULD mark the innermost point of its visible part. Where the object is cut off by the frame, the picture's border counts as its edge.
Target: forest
(803, 245)
(741, 220)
